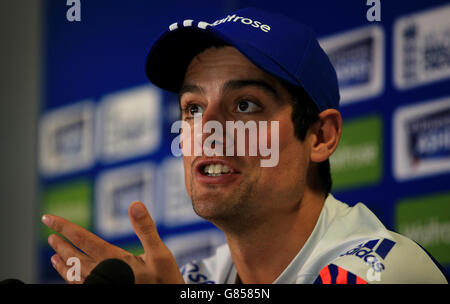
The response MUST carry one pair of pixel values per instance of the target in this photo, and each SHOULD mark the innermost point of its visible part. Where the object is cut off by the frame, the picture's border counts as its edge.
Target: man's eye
(246, 106)
(193, 109)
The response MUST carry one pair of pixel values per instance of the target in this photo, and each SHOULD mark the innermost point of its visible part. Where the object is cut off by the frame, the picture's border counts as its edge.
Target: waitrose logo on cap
(243, 20)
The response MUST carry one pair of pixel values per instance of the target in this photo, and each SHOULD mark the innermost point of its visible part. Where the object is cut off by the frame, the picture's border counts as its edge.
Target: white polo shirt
(348, 245)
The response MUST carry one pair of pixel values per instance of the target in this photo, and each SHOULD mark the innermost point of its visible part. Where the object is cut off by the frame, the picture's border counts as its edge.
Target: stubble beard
(233, 212)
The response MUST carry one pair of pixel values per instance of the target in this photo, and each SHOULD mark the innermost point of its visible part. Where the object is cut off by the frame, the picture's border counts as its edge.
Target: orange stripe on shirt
(342, 276)
(325, 275)
(360, 281)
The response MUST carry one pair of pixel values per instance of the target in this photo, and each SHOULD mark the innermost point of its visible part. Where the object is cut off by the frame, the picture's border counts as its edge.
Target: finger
(66, 251)
(63, 248)
(63, 270)
(88, 242)
(144, 227)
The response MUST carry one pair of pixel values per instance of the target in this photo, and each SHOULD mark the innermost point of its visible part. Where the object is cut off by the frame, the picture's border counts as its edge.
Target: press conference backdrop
(105, 132)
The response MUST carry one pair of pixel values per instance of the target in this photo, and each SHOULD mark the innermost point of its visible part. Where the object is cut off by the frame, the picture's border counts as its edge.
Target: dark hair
(304, 114)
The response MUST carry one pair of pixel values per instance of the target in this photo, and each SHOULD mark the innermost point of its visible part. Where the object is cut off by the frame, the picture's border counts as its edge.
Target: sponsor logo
(234, 18)
(125, 125)
(116, 189)
(426, 220)
(358, 159)
(71, 200)
(66, 139)
(428, 231)
(430, 136)
(243, 20)
(129, 124)
(372, 252)
(176, 204)
(422, 139)
(193, 275)
(358, 57)
(194, 247)
(422, 48)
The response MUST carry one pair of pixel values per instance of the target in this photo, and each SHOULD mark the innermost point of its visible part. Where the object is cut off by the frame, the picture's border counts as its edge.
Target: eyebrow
(190, 88)
(232, 85)
(242, 83)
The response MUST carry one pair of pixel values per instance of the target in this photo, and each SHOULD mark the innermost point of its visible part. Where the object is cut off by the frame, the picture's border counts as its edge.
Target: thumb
(144, 226)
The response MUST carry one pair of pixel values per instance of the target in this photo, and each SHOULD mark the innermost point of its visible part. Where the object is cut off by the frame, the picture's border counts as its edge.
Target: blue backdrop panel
(105, 132)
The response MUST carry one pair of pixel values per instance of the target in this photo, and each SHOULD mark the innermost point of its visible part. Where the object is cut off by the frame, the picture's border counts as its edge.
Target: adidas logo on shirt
(374, 258)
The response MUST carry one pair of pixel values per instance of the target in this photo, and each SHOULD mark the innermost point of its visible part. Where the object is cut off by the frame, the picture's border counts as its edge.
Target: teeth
(211, 169)
(216, 169)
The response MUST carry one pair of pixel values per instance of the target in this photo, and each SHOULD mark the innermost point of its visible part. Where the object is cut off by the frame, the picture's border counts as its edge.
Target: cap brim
(173, 51)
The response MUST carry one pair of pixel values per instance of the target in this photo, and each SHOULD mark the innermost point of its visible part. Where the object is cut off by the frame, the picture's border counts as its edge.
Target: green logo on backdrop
(426, 220)
(70, 200)
(358, 159)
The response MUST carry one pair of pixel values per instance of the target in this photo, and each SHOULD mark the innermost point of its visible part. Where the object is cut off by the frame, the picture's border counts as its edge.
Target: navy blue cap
(278, 45)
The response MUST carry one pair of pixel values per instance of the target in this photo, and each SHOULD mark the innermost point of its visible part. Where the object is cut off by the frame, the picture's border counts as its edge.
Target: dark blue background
(106, 51)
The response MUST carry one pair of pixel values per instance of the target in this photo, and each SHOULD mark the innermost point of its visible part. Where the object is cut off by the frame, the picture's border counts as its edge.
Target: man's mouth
(216, 169)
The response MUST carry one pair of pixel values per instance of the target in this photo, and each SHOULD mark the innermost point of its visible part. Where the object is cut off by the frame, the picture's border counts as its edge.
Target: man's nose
(213, 112)
(213, 126)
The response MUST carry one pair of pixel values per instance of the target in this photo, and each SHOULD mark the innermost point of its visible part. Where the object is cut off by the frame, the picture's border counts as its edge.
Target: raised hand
(156, 265)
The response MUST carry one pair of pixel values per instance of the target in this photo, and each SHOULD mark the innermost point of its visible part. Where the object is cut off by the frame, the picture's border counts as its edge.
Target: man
(281, 223)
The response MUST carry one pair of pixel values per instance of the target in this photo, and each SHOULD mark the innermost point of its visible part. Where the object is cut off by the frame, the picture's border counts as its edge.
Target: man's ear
(327, 132)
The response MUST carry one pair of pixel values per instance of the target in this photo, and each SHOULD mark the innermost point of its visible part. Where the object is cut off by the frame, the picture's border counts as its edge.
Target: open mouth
(215, 169)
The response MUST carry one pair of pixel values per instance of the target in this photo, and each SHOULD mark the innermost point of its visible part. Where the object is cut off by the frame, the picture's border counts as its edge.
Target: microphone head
(11, 282)
(111, 271)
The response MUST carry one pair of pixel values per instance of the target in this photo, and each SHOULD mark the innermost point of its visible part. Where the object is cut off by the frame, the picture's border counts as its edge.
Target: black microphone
(11, 282)
(111, 271)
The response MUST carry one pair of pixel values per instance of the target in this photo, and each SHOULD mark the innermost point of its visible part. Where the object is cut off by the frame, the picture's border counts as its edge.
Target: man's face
(222, 85)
